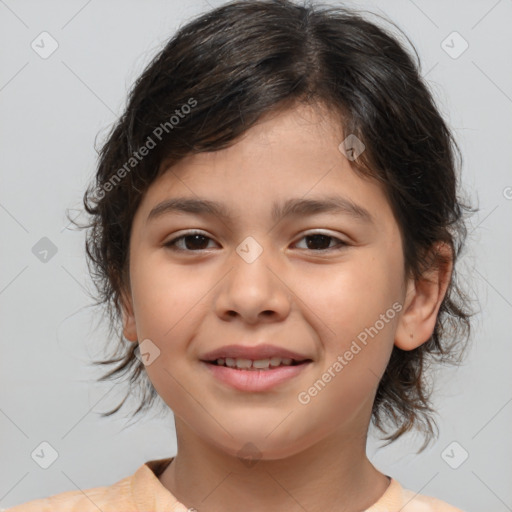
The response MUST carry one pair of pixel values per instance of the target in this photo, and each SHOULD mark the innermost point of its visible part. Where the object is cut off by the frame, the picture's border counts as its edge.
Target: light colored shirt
(143, 492)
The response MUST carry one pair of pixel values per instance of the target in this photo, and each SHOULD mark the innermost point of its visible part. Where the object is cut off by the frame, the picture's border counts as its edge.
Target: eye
(193, 241)
(321, 242)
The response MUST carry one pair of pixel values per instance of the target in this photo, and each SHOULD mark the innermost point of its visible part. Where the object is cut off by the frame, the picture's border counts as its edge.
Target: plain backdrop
(51, 111)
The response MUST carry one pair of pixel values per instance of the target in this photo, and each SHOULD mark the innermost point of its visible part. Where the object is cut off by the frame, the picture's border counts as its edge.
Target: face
(325, 283)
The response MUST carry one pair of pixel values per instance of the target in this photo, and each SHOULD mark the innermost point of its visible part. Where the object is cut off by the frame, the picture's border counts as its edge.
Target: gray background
(51, 111)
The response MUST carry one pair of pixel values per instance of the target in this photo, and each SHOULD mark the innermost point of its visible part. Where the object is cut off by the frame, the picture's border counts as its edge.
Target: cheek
(167, 302)
(164, 295)
(355, 320)
(351, 296)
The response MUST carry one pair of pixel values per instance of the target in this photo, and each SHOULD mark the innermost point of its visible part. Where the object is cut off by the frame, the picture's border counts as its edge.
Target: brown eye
(322, 242)
(318, 241)
(189, 242)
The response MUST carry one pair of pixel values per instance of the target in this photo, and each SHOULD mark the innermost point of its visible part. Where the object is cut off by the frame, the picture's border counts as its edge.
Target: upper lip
(255, 353)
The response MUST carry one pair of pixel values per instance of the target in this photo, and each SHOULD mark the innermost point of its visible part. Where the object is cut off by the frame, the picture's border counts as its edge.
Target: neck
(334, 474)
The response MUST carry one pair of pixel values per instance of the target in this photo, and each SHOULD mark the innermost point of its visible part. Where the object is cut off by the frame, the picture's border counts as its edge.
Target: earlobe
(423, 300)
(129, 325)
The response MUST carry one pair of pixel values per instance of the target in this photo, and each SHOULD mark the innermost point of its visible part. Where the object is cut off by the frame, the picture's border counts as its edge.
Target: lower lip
(255, 380)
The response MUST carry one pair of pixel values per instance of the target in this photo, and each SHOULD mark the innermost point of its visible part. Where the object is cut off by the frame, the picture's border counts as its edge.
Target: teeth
(261, 363)
(258, 364)
(243, 363)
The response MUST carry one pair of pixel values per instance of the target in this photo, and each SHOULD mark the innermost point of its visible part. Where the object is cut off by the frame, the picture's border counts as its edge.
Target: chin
(254, 446)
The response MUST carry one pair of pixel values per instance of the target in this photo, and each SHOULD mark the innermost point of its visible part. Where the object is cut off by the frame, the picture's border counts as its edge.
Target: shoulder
(405, 500)
(140, 491)
(106, 499)
(414, 502)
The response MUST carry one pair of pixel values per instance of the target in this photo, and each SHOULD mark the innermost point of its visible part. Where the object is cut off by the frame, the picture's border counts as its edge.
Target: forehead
(291, 154)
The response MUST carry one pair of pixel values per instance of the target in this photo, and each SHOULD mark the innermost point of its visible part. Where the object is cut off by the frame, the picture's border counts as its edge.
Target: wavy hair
(245, 59)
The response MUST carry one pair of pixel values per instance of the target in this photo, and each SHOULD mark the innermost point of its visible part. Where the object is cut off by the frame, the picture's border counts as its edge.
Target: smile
(255, 375)
(258, 364)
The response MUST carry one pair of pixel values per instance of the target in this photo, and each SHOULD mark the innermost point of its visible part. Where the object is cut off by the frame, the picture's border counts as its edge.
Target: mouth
(254, 368)
(267, 364)
(255, 375)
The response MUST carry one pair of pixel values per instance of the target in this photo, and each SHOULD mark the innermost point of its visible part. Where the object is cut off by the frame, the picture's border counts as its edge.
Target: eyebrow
(290, 208)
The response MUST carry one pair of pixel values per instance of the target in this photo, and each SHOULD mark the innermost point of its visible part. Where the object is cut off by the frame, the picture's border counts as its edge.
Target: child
(275, 221)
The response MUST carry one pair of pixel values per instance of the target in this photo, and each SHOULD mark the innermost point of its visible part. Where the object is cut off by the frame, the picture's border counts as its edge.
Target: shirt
(143, 492)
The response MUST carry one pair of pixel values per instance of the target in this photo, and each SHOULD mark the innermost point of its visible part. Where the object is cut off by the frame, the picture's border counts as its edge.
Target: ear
(129, 325)
(423, 299)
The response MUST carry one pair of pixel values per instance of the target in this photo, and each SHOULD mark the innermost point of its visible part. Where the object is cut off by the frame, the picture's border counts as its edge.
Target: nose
(253, 292)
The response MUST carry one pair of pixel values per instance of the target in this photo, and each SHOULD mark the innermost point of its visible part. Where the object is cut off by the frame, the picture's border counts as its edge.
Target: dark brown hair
(213, 81)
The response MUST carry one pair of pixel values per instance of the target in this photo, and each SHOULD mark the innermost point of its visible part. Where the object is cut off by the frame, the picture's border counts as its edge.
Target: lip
(255, 380)
(264, 351)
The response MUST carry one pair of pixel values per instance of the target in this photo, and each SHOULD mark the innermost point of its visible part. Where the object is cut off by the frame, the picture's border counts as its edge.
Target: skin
(309, 456)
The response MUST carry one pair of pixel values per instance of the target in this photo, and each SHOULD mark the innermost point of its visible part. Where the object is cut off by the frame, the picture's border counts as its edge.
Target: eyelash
(171, 244)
